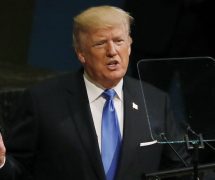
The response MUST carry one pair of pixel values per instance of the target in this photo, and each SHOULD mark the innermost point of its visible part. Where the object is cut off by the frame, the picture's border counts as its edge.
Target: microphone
(162, 135)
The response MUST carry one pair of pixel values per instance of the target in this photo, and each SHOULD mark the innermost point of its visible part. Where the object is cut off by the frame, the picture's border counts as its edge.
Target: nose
(111, 49)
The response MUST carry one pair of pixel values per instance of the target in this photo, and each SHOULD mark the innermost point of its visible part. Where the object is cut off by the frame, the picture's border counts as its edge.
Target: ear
(80, 56)
(130, 42)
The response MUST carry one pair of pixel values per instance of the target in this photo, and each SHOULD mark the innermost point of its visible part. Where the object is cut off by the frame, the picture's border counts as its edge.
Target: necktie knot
(109, 94)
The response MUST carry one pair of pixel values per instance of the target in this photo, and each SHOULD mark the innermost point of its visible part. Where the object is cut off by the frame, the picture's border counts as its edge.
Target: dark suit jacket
(53, 135)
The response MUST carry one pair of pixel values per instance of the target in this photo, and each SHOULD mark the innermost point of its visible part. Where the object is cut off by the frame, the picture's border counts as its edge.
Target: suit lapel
(80, 112)
(136, 129)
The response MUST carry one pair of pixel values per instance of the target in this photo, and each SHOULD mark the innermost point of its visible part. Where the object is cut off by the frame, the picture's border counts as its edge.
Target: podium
(190, 85)
(178, 172)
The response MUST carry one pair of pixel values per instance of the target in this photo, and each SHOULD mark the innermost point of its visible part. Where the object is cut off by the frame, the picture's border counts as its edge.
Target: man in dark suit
(56, 133)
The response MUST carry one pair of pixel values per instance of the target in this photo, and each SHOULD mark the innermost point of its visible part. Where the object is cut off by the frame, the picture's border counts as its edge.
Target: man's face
(105, 54)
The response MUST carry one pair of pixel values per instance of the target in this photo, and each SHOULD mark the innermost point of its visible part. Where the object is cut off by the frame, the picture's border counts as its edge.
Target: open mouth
(112, 65)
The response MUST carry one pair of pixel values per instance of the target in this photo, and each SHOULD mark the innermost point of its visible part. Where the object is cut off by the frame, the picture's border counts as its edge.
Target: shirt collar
(95, 90)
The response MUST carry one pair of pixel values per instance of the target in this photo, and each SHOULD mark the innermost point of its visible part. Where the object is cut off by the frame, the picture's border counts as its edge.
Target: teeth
(113, 62)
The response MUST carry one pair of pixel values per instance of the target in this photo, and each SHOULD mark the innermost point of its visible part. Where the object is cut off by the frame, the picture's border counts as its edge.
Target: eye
(119, 41)
(99, 44)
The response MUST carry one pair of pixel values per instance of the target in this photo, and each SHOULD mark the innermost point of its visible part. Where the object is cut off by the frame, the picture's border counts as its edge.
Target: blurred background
(35, 35)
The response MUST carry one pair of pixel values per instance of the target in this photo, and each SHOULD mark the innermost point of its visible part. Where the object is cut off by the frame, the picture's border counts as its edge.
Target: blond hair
(99, 17)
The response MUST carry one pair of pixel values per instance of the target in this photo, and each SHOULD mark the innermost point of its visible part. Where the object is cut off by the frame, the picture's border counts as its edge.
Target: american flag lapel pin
(134, 106)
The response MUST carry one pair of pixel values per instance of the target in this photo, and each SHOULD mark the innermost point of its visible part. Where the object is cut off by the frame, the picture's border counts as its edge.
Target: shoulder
(141, 87)
(57, 85)
(59, 81)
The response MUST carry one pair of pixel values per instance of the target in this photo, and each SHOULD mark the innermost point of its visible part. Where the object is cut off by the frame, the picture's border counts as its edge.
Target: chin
(120, 74)
(116, 78)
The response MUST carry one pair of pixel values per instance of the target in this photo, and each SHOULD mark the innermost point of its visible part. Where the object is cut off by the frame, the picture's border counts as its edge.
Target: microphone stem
(164, 138)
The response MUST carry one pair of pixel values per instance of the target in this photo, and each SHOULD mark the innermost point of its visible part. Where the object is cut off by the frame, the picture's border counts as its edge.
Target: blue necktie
(111, 137)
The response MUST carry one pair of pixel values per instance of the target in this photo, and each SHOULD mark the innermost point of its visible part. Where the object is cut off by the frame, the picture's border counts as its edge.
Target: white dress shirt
(96, 101)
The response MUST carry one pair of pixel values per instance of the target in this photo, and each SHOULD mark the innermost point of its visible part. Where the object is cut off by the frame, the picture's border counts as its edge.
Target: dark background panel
(171, 28)
(15, 29)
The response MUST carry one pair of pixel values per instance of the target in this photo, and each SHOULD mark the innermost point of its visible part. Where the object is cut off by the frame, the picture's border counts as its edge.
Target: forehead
(100, 33)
